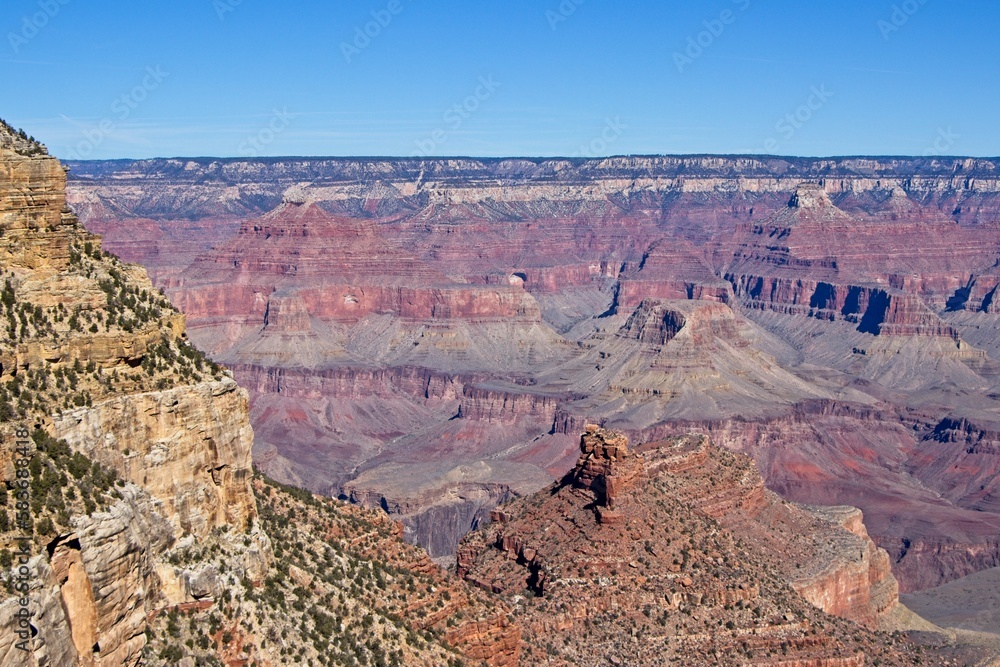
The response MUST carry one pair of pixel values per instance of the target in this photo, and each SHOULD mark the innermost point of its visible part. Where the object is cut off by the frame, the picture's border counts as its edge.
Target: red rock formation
(817, 454)
(607, 468)
(670, 270)
(860, 587)
(812, 259)
(706, 595)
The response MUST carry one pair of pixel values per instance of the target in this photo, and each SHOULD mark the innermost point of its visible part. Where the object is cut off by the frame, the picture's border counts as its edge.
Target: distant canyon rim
(432, 336)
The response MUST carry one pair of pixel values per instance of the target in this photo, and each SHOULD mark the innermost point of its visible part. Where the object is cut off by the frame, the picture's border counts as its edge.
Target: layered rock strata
(180, 448)
(728, 294)
(126, 455)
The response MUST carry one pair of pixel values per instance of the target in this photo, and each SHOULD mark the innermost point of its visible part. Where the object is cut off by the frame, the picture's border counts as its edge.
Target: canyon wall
(150, 541)
(127, 497)
(178, 450)
(823, 315)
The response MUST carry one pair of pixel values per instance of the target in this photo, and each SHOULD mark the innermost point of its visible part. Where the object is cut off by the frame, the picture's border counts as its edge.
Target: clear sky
(117, 78)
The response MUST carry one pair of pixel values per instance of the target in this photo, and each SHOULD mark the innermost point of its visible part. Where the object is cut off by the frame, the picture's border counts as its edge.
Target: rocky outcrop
(106, 570)
(94, 589)
(187, 447)
(657, 323)
(650, 324)
(107, 350)
(607, 468)
(812, 197)
(492, 641)
(831, 560)
(643, 569)
(32, 200)
(859, 583)
(49, 637)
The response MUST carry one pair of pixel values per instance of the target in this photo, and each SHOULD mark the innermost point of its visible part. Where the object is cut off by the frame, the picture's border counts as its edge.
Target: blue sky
(120, 78)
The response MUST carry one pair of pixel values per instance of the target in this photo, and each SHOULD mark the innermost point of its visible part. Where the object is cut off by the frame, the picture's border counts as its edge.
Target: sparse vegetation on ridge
(57, 356)
(20, 141)
(344, 590)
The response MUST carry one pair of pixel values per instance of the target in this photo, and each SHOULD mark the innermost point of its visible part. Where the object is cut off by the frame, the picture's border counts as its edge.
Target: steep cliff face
(189, 447)
(106, 574)
(812, 258)
(128, 414)
(859, 584)
(93, 356)
(670, 271)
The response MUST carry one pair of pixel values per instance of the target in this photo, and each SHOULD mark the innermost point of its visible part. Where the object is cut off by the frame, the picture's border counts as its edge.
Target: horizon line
(534, 158)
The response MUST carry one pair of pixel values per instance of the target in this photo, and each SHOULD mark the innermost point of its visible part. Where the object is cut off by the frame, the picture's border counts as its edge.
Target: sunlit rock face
(179, 445)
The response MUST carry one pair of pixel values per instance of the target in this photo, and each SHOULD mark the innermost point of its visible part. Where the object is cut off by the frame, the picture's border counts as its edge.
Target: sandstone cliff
(94, 356)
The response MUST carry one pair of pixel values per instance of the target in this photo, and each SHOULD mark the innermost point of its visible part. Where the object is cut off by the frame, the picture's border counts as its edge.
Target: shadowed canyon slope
(429, 336)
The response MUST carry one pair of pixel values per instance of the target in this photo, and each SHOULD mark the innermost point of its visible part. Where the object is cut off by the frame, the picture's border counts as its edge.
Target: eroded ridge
(675, 553)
